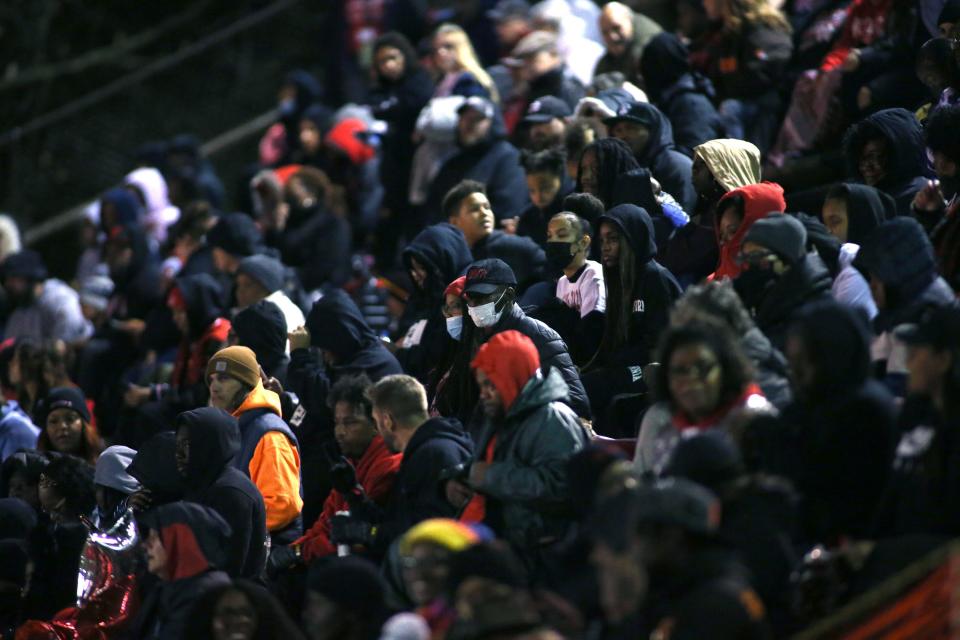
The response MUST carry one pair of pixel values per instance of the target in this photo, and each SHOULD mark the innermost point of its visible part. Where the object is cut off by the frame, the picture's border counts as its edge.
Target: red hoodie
(758, 201)
(865, 23)
(376, 470)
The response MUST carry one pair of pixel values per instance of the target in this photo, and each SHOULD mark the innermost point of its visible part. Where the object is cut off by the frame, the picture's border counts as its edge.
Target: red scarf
(682, 422)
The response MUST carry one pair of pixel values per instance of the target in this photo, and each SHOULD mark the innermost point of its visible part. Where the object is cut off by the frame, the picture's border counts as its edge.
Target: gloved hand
(343, 477)
(281, 559)
(350, 530)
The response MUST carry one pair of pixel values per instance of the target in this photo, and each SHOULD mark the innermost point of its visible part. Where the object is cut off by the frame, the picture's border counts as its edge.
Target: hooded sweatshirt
(376, 472)
(683, 95)
(733, 163)
(270, 455)
(671, 168)
(442, 249)
(194, 538)
(907, 168)
(758, 201)
(160, 213)
(654, 290)
(214, 482)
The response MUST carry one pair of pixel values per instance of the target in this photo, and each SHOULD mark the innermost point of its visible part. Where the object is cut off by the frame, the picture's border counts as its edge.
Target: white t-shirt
(587, 293)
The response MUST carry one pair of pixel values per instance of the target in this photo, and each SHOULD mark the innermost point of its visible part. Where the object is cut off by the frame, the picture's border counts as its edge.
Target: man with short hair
(529, 434)
(467, 208)
(432, 448)
(490, 291)
(625, 34)
(485, 156)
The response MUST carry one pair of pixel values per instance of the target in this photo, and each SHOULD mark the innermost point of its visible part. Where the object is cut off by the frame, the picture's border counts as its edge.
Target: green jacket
(644, 30)
(526, 483)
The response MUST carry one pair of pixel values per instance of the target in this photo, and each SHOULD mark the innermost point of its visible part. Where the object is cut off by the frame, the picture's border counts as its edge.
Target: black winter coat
(553, 353)
(524, 256)
(806, 283)
(316, 243)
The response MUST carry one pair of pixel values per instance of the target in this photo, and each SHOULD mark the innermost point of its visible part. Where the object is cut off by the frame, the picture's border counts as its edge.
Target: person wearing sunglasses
(704, 383)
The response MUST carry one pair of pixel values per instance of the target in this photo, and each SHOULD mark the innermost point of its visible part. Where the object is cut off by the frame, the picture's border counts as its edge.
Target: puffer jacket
(527, 480)
(553, 353)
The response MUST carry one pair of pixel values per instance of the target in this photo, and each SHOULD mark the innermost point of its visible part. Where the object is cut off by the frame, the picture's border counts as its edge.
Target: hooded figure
(732, 163)
(886, 150)
(867, 208)
(682, 94)
(154, 467)
(759, 200)
(641, 313)
(137, 280)
(443, 252)
(208, 440)
(671, 168)
(119, 206)
(836, 440)
(526, 444)
(491, 160)
(901, 268)
(200, 297)
(159, 213)
(262, 328)
(186, 546)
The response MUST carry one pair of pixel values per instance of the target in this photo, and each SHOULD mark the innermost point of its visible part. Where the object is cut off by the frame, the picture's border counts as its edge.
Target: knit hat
(237, 362)
(63, 398)
(95, 291)
(25, 264)
(456, 287)
(509, 359)
(262, 328)
(442, 532)
(345, 136)
(782, 234)
(235, 233)
(265, 270)
(351, 582)
(112, 470)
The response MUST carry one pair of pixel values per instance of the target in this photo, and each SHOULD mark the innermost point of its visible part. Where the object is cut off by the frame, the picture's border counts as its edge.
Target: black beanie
(350, 582)
(25, 264)
(265, 270)
(262, 328)
(235, 233)
(63, 398)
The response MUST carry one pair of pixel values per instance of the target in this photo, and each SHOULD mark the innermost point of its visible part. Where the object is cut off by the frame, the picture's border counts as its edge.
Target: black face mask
(752, 286)
(558, 255)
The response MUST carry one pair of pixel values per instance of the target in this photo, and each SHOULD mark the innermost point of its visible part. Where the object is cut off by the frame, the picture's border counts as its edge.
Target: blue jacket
(16, 430)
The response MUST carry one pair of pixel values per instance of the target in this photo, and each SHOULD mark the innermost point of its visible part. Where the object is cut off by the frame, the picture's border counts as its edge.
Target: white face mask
(455, 326)
(486, 315)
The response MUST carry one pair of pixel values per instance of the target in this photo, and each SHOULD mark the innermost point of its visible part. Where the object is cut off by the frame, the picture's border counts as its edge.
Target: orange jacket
(275, 465)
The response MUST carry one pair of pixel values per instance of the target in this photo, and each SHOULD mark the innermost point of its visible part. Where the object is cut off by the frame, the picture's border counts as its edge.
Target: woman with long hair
(746, 60)
(461, 71)
(241, 610)
(64, 419)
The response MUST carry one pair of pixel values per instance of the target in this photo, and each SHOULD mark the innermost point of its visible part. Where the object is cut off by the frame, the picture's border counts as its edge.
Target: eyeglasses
(699, 370)
(754, 257)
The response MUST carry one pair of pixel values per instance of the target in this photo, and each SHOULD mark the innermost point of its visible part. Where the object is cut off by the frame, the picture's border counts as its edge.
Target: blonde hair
(467, 57)
(738, 14)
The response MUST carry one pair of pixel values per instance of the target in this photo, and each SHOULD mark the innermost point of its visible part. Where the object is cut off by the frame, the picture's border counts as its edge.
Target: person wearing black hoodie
(782, 278)
(207, 441)
(886, 150)
(347, 346)
(640, 293)
(433, 449)
(900, 266)
(185, 546)
(262, 328)
(649, 134)
(835, 442)
(683, 95)
(484, 156)
(437, 256)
